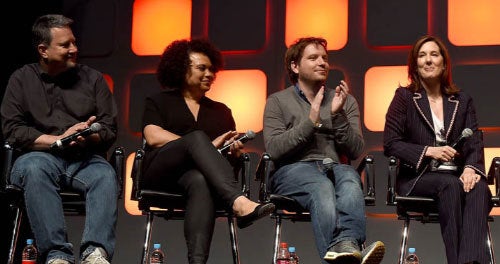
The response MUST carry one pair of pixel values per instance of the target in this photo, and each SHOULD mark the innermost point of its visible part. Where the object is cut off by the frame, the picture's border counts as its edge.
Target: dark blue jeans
(42, 176)
(337, 210)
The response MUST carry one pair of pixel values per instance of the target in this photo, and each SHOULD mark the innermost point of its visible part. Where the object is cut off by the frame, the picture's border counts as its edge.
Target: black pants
(463, 216)
(194, 167)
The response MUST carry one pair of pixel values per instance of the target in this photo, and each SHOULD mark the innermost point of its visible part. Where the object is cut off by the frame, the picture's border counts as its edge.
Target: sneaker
(58, 261)
(344, 252)
(374, 253)
(98, 256)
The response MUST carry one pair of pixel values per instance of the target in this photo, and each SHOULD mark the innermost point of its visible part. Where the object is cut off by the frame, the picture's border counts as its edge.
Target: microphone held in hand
(437, 165)
(328, 165)
(466, 133)
(248, 136)
(64, 142)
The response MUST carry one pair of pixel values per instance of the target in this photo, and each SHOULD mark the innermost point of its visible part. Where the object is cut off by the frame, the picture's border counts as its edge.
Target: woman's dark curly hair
(175, 62)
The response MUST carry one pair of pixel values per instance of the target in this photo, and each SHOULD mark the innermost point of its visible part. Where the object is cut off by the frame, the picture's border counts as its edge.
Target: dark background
(380, 33)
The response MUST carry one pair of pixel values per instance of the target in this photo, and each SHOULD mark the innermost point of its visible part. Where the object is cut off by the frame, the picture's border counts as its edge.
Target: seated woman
(183, 129)
(423, 128)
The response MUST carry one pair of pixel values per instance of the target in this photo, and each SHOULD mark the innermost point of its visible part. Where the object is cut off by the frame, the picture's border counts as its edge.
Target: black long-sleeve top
(36, 103)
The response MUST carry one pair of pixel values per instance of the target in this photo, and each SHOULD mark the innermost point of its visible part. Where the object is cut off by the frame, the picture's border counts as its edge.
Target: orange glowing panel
(473, 23)
(244, 91)
(317, 18)
(110, 82)
(489, 154)
(156, 23)
(380, 84)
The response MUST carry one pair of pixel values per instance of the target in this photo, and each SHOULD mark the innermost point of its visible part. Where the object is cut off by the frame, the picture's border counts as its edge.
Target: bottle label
(282, 261)
(28, 261)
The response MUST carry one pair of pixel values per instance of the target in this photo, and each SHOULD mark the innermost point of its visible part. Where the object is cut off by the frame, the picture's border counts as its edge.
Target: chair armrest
(116, 161)
(263, 172)
(245, 173)
(494, 174)
(367, 168)
(136, 175)
(7, 154)
(391, 181)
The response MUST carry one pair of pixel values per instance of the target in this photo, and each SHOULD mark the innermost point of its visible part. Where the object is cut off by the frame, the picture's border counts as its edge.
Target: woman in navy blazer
(424, 130)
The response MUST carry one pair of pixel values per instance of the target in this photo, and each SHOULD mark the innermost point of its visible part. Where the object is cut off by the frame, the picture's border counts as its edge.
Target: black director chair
(424, 209)
(288, 208)
(73, 201)
(171, 206)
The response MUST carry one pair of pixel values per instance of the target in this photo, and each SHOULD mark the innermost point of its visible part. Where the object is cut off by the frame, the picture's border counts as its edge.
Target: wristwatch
(317, 124)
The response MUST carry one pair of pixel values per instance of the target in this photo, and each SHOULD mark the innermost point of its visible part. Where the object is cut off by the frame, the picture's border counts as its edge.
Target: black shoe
(374, 253)
(345, 252)
(260, 211)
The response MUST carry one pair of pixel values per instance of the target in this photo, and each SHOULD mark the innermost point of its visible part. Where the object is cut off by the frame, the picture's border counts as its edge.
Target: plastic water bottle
(283, 254)
(30, 253)
(294, 259)
(411, 257)
(157, 256)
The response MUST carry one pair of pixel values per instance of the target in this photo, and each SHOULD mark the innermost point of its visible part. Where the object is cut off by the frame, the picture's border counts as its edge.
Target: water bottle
(283, 254)
(294, 259)
(30, 253)
(157, 256)
(411, 257)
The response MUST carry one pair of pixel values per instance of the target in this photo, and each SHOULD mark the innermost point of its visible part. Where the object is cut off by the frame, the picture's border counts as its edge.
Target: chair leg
(234, 240)
(147, 239)
(490, 246)
(277, 237)
(404, 240)
(15, 234)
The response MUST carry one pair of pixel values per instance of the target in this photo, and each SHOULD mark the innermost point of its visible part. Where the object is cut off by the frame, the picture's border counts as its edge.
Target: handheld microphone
(450, 165)
(248, 135)
(466, 133)
(64, 142)
(328, 164)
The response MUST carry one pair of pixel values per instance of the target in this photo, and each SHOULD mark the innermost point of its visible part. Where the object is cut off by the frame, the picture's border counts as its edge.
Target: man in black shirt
(44, 103)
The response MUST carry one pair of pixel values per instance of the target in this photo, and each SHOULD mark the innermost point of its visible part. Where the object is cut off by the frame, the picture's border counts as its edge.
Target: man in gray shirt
(305, 124)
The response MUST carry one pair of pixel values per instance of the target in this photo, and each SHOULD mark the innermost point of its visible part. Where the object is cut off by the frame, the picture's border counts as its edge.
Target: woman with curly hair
(183, 129)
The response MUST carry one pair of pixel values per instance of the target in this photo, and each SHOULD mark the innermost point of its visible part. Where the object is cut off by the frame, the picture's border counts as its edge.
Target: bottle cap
(411, 250)
(29, 241)
(157, 245)
(283, 245)
(291, 249)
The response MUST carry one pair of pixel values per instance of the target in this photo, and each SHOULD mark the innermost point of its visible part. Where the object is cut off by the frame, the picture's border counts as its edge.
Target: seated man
(305, 124)
(45, 107)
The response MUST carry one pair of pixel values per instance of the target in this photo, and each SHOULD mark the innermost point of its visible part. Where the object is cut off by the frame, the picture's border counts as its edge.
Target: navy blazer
(409, 131)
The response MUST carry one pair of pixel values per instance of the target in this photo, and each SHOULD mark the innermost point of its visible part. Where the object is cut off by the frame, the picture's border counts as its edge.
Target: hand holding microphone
(445, 154)
(248, 136)
(466, 133)
(65, 142)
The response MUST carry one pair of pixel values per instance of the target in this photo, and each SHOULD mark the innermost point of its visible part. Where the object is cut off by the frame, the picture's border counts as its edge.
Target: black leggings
(193, 166)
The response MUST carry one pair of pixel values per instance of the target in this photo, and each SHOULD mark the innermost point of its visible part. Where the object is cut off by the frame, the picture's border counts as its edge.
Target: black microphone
(248, 135)
(64, 142)
(466, 133)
